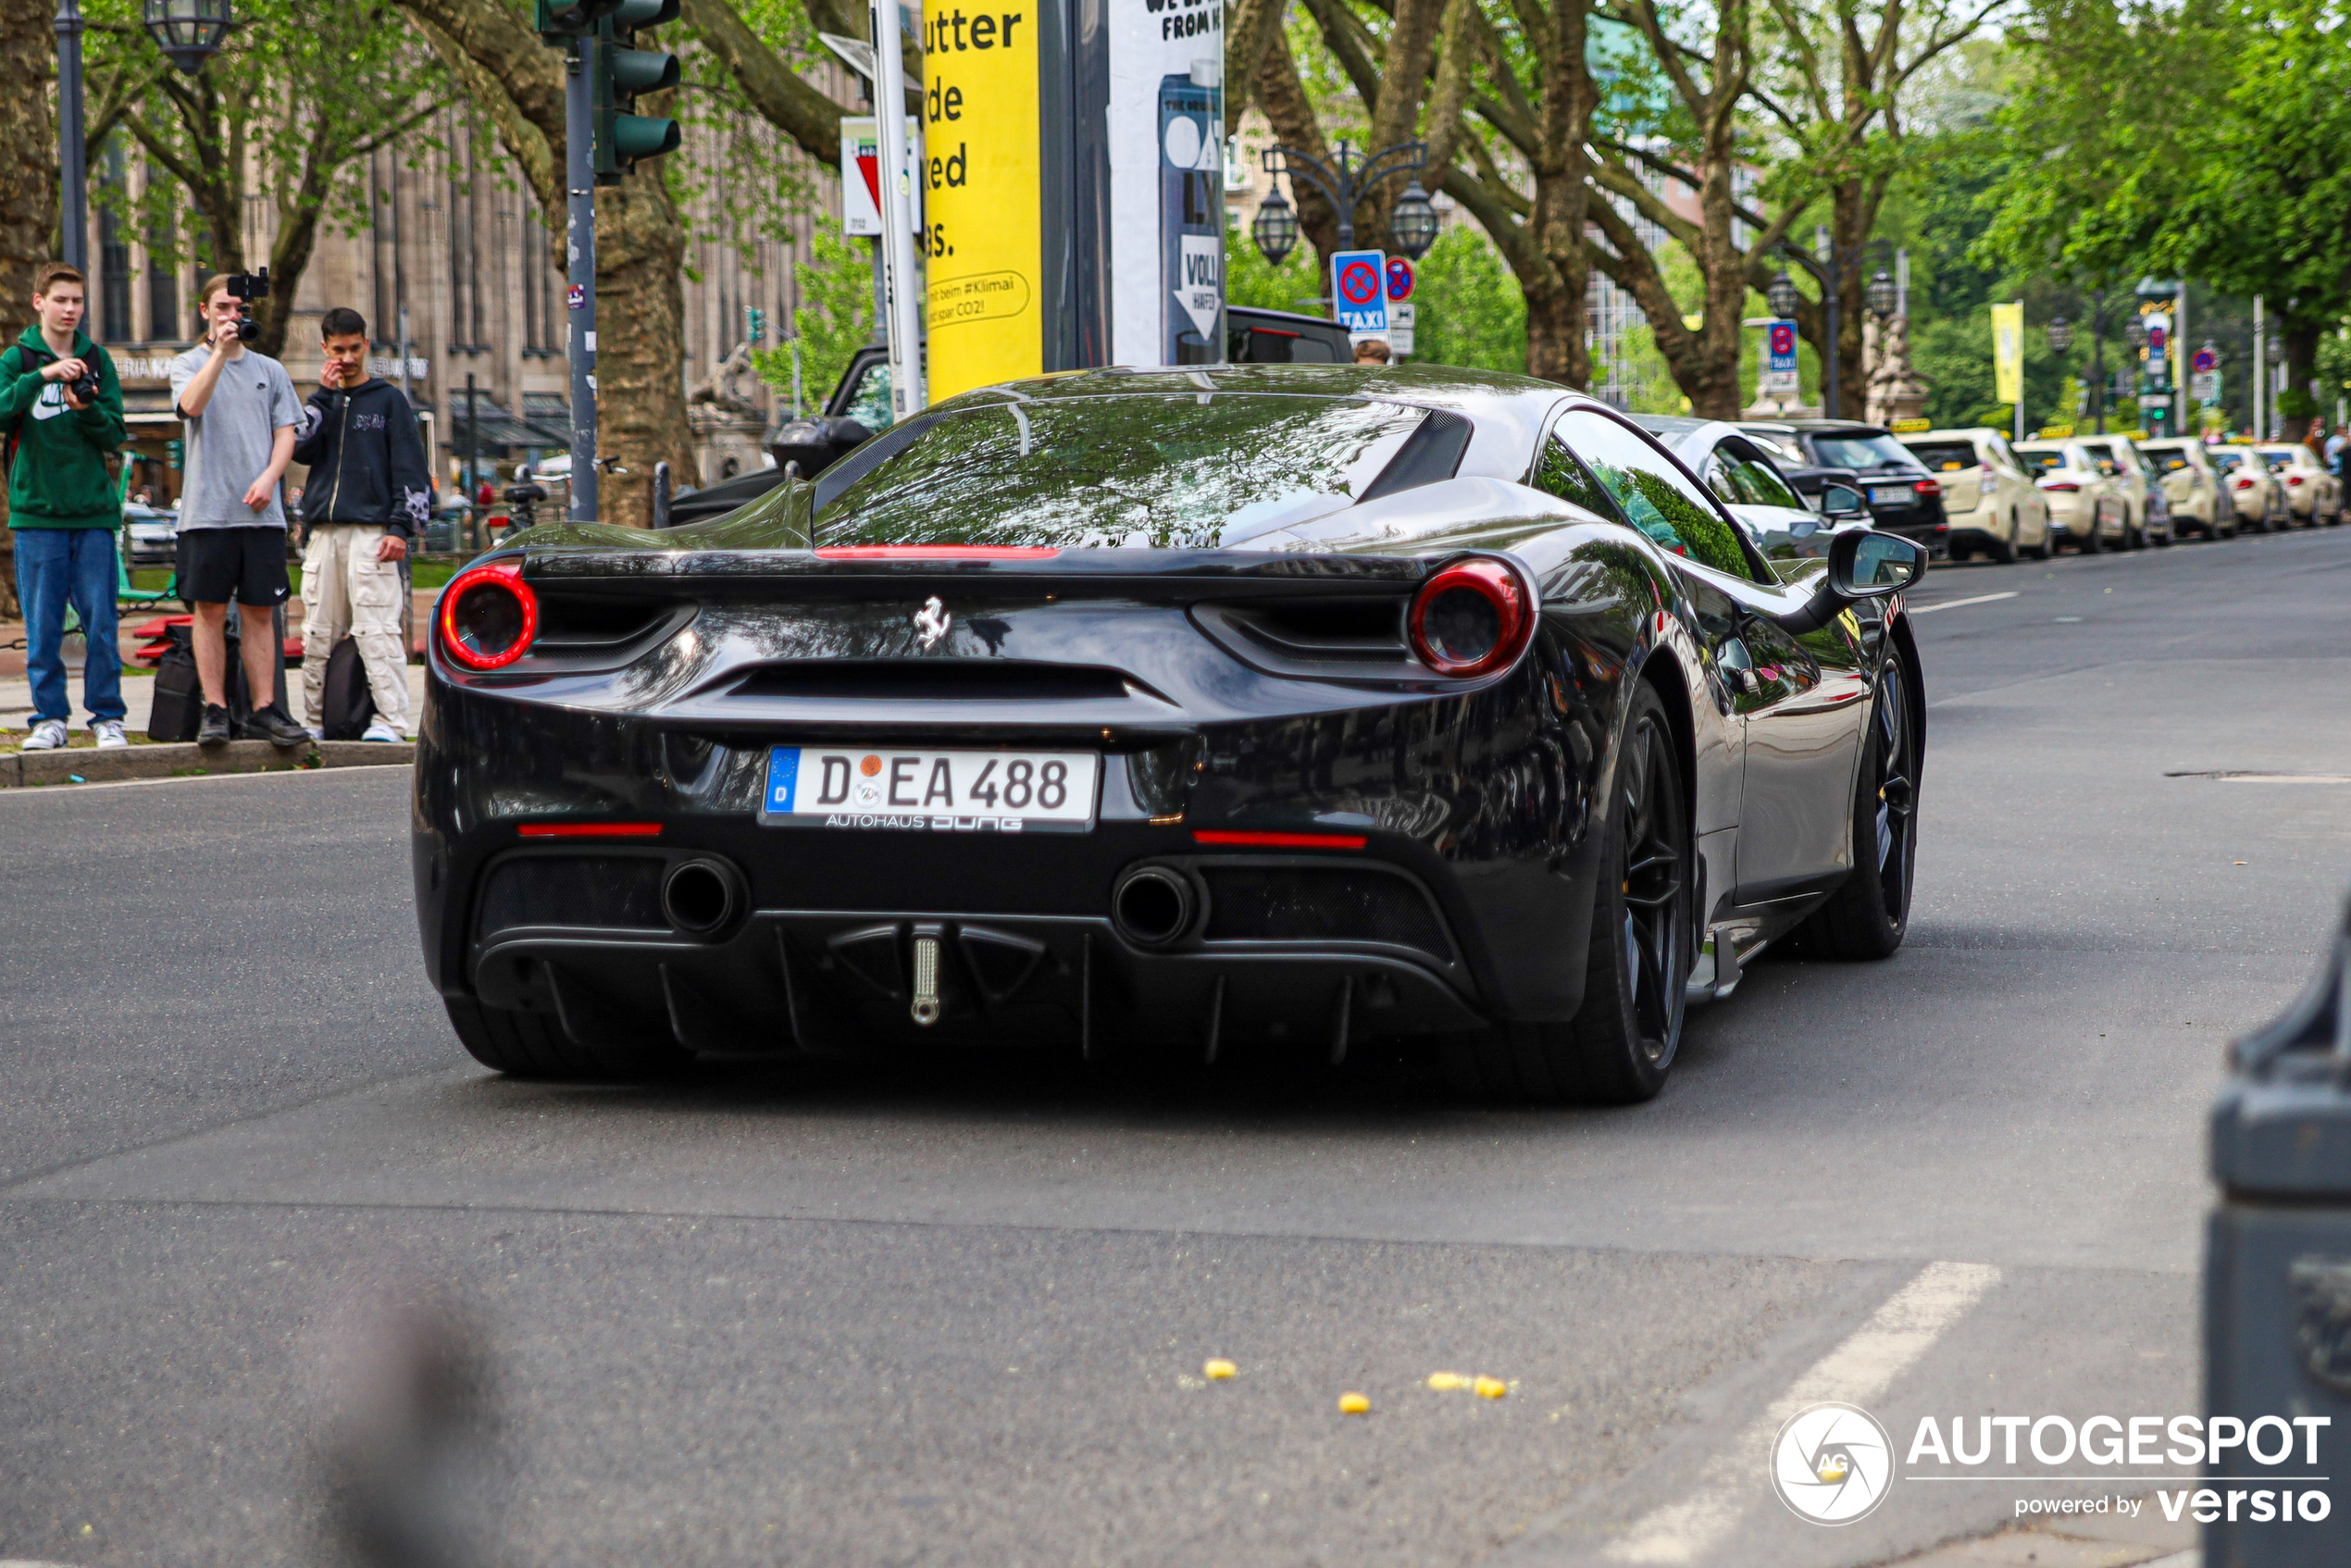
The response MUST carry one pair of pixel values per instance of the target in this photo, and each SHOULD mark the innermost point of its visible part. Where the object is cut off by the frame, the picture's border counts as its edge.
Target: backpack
(348, 705)
(179, 701)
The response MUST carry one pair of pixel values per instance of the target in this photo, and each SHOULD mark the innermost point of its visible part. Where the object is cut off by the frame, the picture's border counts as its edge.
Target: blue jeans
(56, 567)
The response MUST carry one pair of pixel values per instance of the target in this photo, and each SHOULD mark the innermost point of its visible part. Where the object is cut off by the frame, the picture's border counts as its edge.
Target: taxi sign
(1906, 427)
(1359, 291)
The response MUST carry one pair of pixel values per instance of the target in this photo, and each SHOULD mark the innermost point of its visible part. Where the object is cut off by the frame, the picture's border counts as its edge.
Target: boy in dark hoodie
(366, 497)
(60, 428)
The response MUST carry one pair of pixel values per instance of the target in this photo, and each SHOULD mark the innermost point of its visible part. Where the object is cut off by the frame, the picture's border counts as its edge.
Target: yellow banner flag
(2007, 352)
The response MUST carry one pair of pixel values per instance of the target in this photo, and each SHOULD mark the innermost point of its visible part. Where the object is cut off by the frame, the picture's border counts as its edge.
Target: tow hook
(926, 1008)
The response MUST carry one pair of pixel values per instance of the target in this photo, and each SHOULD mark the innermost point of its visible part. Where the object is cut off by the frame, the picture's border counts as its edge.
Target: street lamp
(1347, 182)
(73, 174)
(1880, 294)
(190, 32)
(1831, 275)
(1413, 221)
(2060, 334)
(1275, 227)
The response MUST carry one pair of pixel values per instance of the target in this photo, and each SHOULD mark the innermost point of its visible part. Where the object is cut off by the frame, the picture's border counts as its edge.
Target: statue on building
(1896, 389)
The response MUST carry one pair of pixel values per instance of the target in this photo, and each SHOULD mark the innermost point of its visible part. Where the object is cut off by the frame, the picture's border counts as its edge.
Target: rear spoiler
(1163, 575)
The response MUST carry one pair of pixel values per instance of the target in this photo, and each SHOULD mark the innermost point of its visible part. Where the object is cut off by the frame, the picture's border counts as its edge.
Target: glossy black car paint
(673, 662)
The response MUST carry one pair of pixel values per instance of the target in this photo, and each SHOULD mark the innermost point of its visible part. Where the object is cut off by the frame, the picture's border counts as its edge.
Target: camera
(85, 387)
(248, 287)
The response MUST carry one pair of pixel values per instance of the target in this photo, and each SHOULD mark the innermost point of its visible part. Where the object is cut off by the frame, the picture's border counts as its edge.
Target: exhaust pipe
(703, 897)
(1154, 905)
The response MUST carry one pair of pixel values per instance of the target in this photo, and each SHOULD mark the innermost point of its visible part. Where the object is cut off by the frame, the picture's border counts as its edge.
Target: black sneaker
(214, 730)
(274, 725)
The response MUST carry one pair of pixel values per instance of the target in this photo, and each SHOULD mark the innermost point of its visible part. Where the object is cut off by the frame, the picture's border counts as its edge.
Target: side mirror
(1842, 501)
(1864, 564)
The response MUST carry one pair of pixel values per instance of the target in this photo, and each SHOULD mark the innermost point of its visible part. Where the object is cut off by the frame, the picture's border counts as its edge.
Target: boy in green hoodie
(60, 418)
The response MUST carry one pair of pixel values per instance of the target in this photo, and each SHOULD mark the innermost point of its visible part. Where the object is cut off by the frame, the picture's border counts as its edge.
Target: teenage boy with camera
(369, 490)
(61, 417)
(242, 415)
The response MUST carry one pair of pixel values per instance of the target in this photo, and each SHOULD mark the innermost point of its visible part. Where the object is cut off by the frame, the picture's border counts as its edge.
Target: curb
(88, 766)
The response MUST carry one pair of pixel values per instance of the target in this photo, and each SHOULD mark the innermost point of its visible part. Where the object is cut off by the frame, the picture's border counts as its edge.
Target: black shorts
(248, 565)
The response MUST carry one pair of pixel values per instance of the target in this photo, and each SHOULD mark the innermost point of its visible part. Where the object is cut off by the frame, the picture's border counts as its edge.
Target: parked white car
(2146, 517)
(2259, 495)
(2197, 491)
(2085, 502)
(1990, 502)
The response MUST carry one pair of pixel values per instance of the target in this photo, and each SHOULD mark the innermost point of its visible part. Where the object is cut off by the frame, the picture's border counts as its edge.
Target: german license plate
(944, 792)
(1890, 495)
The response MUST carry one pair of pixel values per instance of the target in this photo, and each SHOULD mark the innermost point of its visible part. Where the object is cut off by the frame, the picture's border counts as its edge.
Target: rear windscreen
(1192, 470)
(1862, 451)
(2224, 461)
(2166, 459)
(2041, 462)
(1945, 456)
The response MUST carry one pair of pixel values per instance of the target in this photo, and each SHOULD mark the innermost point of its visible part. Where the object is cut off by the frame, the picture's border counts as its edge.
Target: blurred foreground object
(2278, 1288)
(404, 1450)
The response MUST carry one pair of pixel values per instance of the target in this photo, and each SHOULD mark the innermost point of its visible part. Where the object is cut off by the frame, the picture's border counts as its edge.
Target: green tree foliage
(835, 317)
(2222, 153)
(1470, 310)
(284, 114)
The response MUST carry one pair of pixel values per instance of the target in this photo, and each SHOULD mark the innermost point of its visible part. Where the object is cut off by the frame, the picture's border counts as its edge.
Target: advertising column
(1166, 148)
(983, 188)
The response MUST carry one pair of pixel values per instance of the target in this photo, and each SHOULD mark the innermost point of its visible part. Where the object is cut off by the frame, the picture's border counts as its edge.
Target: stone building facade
(457, 271)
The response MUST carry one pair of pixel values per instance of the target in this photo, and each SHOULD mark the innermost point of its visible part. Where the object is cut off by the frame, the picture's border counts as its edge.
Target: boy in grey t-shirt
(242, 415)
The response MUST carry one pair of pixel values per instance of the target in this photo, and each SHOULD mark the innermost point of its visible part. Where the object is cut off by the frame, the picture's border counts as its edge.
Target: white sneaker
(109, 733)
(48, 735)
(316, 733)
(382, 730)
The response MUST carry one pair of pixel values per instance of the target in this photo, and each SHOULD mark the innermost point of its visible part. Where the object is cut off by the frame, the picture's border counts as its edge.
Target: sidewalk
(12, 659)
(138, 695)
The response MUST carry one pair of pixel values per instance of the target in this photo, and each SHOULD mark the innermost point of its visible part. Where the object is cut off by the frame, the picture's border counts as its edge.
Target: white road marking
(1857, 1372)
(1955, 603)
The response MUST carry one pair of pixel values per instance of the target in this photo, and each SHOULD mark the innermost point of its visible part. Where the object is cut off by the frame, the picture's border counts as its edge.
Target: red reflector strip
(589, 829)
(1280, 841)
(936, 551)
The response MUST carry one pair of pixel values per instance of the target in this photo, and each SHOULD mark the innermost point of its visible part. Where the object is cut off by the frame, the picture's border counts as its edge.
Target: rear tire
(1868, 917)
(2089, 545)
(532, 1045)
(1620, 1046)
(2003, 551)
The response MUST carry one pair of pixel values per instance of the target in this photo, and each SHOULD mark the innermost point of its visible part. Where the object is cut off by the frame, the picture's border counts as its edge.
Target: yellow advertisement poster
(983, 195)
(2007, 352)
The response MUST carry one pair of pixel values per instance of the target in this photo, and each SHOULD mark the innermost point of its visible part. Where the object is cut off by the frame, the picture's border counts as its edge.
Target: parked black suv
(1904, 497)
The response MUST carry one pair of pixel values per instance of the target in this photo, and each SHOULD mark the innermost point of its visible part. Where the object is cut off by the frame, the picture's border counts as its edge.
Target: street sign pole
(579, 272)
(905, 322)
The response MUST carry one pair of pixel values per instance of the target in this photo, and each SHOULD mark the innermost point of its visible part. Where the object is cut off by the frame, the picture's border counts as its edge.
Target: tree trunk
(2301, 339)
(28, 195)
(640, 245)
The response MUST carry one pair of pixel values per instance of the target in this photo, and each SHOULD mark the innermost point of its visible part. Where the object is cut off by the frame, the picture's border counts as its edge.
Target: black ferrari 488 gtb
(1247, 709)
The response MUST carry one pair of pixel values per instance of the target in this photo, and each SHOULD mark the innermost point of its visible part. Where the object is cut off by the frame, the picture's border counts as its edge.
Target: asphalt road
(874, 1317)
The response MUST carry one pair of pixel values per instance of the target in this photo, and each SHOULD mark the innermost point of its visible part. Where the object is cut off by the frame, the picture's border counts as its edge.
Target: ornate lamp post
(1346, 182)
(188, 32)
(1830, 274)
(2060, 334)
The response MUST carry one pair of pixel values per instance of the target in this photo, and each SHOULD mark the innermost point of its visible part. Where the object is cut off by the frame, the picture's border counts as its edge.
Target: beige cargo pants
(346, 589)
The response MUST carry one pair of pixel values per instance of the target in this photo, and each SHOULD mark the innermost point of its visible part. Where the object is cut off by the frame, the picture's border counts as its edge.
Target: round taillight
(1471, 618)
(488, 617)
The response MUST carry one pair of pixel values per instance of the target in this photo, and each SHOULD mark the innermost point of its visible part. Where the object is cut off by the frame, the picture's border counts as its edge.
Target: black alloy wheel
(1620, 1046)
(1868, 917)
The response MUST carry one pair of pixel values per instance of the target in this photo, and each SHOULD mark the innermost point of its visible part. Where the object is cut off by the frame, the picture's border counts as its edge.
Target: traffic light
(173, 451)
(624, 71)
(758, 323)
(557, 21)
